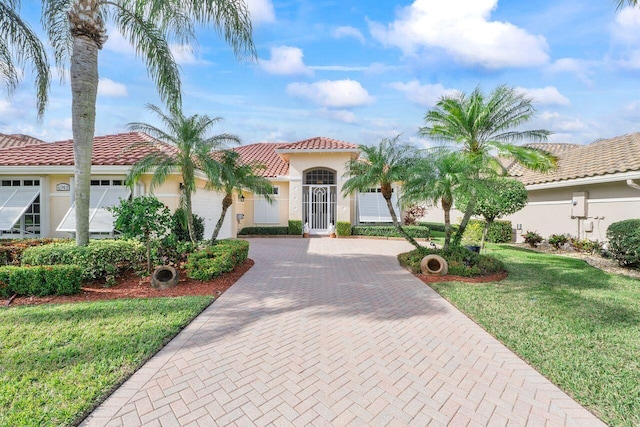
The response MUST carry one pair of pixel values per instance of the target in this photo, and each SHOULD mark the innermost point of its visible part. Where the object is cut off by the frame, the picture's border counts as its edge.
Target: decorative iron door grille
(319, 207)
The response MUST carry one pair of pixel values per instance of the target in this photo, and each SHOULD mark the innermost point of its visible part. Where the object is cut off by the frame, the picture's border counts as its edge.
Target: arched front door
(319, 198)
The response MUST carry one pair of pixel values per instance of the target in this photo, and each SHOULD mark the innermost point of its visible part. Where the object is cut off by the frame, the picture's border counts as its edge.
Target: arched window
(320, 177)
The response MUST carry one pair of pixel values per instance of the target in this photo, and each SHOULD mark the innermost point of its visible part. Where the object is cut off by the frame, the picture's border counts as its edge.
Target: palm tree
(620, 3)
(235, 176)
(484, 128)
(193, 151)
(381, 166)
(19, 45)
(436, 178)
(77, 31)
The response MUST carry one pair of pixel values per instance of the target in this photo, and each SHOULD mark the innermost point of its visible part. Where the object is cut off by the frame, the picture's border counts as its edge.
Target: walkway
(334, 332)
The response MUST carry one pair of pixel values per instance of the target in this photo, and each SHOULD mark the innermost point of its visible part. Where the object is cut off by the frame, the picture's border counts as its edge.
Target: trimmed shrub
(414, 231)
(532, 238)
(179, 226)
(624, 242)
(343, 228)
(499, 231)
(265, 231)
(586, 245)
(11, 249)
(295, 227)
(215, 260)
(100, 259)
(40, 280)
(557, 240)
(437, 226)
(462, 262)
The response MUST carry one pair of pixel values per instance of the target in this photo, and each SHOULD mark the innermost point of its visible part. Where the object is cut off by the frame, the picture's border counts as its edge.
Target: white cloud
(347, 31)
(5, 106)
(547, 95)
(463, 30)
(344, 116)
(117, 43)
(285, 60)
(577, 67)
(626, 28)
(559, 123)
(332, 93)
(261, 11)
(423, 95)
(184, 54)
(107, 87)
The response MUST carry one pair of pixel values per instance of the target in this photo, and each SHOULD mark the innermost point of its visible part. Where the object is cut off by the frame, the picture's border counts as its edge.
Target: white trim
(316, 150)
(615, 200)
(165, 194)
(600, 179)
(65, 194)
(554, 202)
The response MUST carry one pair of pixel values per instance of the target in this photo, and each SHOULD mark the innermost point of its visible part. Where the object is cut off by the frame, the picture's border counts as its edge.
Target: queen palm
(77, 31)
(381, 166)
(19, 46)
(435, 178)
(235, 176)
(193, 152)
(484, 128)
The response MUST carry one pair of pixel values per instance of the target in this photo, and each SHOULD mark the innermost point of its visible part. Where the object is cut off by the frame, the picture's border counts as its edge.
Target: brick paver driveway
(334, 332)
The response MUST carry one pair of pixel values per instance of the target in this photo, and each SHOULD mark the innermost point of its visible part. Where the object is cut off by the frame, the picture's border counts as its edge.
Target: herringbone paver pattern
(334, 332)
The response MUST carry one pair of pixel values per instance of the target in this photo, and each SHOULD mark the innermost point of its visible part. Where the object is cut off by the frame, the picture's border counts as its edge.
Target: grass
(579, 326)
(58, 361)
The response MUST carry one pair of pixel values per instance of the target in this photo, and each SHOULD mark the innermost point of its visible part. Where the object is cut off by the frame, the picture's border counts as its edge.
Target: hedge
(11, 249)
(40, 280)
(343, 228)
(437, 226)
(295, 227)
(499, 232)
(100, 259)
(415, 231)
(215, 260)
(265, 231)
(624, 242)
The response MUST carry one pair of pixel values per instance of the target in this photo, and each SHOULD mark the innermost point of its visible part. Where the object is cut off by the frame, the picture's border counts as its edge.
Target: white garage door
(208, 205)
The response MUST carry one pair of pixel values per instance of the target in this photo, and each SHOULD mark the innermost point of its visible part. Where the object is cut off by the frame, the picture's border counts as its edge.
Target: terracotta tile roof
(17, 140)
(265, 154)
(107, 150)
(319, 143)
(602, 157)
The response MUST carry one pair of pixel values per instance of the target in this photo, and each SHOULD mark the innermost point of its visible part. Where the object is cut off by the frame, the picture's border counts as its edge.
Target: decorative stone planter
(434, 265)
(305, 235)
(332, 235)
(164, 277)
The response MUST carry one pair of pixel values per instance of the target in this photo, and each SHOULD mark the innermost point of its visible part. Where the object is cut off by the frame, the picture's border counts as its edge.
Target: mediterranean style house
(36, 186)
(594, 186)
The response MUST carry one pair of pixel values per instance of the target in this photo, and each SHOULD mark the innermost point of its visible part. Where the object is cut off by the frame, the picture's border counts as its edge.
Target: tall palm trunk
(226, 203)
(465, 219)
(387, 192)
(446, 207)
(87, 29)
(189, 213)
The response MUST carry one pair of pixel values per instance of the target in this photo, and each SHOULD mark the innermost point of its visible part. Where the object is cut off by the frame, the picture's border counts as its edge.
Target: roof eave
(600, 179)
(316, 150)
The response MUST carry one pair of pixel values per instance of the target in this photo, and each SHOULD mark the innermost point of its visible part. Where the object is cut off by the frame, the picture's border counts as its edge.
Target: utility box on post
(579, 204)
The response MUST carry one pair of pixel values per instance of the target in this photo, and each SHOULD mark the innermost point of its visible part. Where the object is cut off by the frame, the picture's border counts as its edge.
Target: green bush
(100, 259)
(499, 231)
(295, 227)
(215, 260)
(557, 240)
(11, 249)
(624, 242)
(179, 226)
(586, 245)
(343, 228)
(532, 238)
(40, 280)
(171, 251)
(437, 226)
(265, 231)
(414, 231)
(461, 261)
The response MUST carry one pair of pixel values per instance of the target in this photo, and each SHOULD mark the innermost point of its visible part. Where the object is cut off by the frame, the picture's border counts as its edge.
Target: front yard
(579, 326)
(57, 361)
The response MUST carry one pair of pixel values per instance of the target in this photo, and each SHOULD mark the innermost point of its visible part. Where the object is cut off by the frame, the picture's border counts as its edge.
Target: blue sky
(362, 70)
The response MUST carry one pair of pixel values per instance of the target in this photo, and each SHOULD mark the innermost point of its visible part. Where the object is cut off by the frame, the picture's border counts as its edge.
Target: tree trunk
(87, 30)
(446, 206)
(487, 225)
(386, 191)
(189, 213)
(226, 202)
(465, 219)
(147, 238)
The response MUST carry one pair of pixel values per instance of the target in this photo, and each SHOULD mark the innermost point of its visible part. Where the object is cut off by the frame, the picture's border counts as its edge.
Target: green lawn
(579, 326)
(57, 361)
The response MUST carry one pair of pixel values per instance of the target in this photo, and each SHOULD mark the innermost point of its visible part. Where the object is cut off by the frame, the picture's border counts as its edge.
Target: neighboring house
(36, 187)
(17, 140)
(594, 185)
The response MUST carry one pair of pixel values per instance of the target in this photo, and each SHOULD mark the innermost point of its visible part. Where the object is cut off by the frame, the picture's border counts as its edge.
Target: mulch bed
(432, 278)
(131, 285)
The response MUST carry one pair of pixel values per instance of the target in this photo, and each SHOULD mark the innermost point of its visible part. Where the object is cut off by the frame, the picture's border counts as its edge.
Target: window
(320, 177)
(19, 207)
(372, 207)
(102, 196)
(265, 212)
